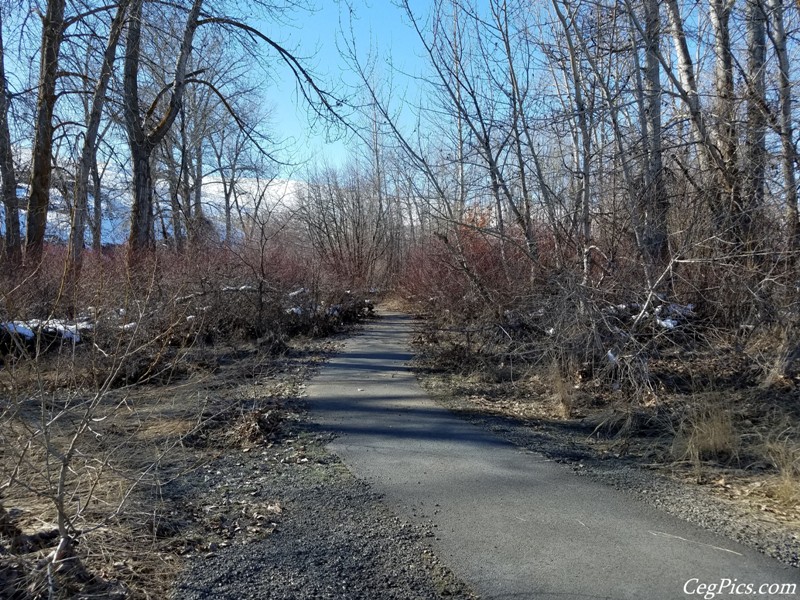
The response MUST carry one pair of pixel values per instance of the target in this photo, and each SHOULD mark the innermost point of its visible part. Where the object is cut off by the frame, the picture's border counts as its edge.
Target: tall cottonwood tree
(785, 119)
(53, 27)
(146, 131)
(726, 191)
(88, 157)
(655, 193)
(755, 157)
(13, 242)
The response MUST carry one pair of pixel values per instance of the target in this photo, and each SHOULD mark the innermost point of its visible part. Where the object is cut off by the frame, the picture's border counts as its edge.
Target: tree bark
(726, 192)
(89, 151)
(97, 196)
(789, 158)
(143, 142)
(41, 156)
(756, 137)
(656, 240)
(688, 85)
(13, 241)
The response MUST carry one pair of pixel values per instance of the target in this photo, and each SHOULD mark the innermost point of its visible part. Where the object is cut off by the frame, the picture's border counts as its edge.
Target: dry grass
(707, 433)
(703, 419)
(782, 449)
(564, 392)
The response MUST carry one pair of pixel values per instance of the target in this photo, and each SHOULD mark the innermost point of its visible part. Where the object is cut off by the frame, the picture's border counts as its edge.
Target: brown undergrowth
(132, 535)
(111, 395)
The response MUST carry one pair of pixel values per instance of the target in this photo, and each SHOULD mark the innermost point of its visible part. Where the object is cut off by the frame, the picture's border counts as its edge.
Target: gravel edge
(285, 519)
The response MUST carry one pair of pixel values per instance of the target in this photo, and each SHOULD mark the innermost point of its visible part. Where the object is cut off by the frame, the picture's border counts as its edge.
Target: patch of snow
(67, 331)
(667, 323)
(19, 328)
(677, 310)
(296, 293)
(64, 329)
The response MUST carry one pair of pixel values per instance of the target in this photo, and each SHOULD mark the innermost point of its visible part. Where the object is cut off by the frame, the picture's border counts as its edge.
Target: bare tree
(13, 242)
(88, 157)
(347, 222)
(757, 112)
(582, 138)
(786, 124)
(53, 25)
(726, 193)
(144, 131)
(657, 203)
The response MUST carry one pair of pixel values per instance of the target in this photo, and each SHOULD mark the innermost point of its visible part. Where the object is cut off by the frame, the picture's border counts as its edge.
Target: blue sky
(377, 24)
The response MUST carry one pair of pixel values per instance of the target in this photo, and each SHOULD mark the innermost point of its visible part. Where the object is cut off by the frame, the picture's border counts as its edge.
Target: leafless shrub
(86, 439)
(256, 425)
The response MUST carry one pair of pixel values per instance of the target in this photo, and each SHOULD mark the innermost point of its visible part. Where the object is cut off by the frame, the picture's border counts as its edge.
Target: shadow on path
(512, 523)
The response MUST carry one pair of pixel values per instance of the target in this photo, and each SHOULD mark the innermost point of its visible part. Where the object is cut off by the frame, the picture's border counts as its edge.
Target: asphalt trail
(508, 521)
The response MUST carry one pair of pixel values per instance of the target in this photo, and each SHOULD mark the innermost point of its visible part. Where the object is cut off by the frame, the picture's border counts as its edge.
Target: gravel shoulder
(281, 518)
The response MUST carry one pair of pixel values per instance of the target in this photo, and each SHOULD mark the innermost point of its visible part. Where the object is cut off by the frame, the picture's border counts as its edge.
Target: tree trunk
(184, 187)
(97, 195)
(174, 181)
(778, 35)
(755, 142)
(88, 153)
(141, 235)
(656, 203)
(41, 155)
(13, 241)
(582, 145)
(790, 346)
(142, 143)
(198, 180)
(726, 191)
(687, 83)
(518, 124)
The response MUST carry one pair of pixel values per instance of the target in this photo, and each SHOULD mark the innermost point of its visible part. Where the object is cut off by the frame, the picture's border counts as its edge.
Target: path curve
(508, 521)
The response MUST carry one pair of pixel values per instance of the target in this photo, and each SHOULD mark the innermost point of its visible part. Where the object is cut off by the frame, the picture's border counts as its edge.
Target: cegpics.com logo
(733, 587)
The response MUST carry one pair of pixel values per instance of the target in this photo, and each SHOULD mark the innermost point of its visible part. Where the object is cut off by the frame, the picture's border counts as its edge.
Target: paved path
(509, 522)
